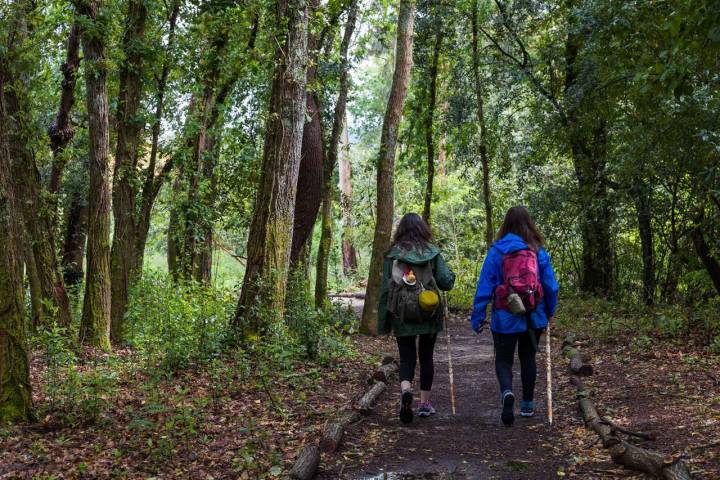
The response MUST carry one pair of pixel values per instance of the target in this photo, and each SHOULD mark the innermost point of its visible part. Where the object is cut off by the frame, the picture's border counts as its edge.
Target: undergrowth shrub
(75, 394)
(623, 321)
(173, 326)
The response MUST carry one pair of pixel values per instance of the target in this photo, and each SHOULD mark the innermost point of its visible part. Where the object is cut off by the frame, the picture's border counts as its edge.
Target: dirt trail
(473, 444)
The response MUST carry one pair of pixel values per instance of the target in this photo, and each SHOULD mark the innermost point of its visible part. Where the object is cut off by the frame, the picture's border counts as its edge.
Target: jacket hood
(413, 257)
(510, 243)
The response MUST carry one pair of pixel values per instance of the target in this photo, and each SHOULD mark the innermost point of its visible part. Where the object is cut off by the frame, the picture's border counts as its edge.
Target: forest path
(473, 444)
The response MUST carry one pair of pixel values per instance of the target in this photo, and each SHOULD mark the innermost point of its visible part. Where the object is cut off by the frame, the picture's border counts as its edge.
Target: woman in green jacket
(413, 268)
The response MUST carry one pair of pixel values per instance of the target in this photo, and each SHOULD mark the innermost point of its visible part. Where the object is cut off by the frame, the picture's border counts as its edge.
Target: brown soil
(472, 444)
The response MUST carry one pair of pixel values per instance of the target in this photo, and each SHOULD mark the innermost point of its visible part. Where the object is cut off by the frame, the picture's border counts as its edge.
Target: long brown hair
(518, 221)
(412, 233)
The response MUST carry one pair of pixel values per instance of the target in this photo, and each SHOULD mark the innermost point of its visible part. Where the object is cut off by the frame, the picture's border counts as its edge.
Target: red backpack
(521, 272)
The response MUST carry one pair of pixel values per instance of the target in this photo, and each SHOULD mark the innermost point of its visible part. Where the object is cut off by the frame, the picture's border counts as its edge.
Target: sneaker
(426, 409)
(508, 402)
(406, 400)
(527, 409)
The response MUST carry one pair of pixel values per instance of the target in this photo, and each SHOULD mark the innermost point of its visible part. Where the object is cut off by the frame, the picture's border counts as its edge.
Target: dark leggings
(504, 353)
(409, 355)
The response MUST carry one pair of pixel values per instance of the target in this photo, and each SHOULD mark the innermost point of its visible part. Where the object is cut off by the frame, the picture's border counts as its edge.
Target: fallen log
(306, 464)
(622, 452)
(331, 437)
(365, 404)
(360, 295)
(387, 359)
(569, 341)
(578, 365)
(383, 373)
(334, 431)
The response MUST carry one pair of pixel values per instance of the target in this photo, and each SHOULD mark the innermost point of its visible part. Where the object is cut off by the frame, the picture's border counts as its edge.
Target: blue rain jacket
(491, 276)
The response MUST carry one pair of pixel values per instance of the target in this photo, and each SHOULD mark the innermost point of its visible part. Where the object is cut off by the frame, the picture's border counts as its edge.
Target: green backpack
(404, 296)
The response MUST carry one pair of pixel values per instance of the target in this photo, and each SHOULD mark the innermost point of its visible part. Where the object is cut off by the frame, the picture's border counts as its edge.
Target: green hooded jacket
(444, 277)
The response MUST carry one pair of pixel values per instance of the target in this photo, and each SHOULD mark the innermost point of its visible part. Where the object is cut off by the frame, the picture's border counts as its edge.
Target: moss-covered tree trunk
(15, 390)
(95, 324)
(338, 128)
(130, 124)
(262, 298)
(36, 212)
(386, 163)
(480, 106)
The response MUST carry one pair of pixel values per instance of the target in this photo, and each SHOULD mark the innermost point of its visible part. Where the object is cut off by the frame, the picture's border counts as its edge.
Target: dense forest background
(183, 177)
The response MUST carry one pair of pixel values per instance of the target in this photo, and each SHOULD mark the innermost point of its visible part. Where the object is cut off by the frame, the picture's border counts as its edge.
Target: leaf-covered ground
(247, 416)
(668, 388)
(226, 420)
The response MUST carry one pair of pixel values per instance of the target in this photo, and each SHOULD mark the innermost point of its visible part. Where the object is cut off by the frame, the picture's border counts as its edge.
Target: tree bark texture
(349, 254)
(386, 163)
(332, 159)
(37, 216)
(15, 389)
(430, 119)
(73, 247)
(61, 131)
(484, 157)
(130, 126)
(262, 298)
(95, 323)
(312, 155)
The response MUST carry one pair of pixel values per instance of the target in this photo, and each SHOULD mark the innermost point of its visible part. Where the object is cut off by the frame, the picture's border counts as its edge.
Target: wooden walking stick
(549, 375)
(449, 353)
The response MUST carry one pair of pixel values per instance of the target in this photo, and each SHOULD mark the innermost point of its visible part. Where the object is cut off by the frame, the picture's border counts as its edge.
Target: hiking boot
(527, 409)
(406, 400)
(426, 409)
(508, 402)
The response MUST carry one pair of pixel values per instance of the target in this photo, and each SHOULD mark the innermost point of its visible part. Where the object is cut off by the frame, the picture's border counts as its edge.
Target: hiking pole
(450, 368)
(549, 375)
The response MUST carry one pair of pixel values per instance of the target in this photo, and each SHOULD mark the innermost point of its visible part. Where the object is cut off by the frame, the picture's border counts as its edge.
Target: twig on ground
(618, 428)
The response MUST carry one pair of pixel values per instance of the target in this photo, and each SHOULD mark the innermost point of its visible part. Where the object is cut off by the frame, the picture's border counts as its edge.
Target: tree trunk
(310, 177)
(262, 298)
(37, 216)
(589, 149)
(348, 247)
(153, 183)
(73, 248)
(429, 140)
(332, 159)
(386, 163)
(61, 131)
(703, 251)
(15, 389)
(644, 216)
(36, 307)
(484, 159)
(130, 125)
(309, 192)
(95, 323)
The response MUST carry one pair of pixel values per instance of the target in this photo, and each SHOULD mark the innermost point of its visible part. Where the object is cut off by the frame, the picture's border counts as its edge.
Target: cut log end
(306, 464)
(332, 436)
(383, 373)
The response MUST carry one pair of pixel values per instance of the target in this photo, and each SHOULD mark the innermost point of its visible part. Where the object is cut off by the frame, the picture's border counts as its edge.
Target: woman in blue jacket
(518, 232)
